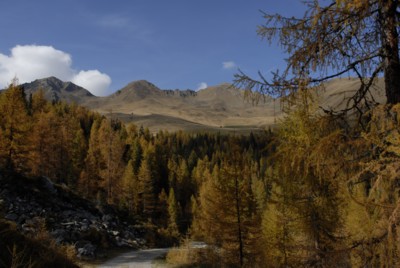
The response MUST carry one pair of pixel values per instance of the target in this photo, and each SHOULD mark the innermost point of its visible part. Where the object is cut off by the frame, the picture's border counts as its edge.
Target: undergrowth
(40, 250)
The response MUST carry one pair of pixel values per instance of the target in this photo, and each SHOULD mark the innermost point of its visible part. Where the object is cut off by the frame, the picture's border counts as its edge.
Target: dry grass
(40, 250)
(188, 256)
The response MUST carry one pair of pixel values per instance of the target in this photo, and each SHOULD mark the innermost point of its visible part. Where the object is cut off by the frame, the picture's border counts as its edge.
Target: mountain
(136, 90)
(55, 90)
(220, 107)
(337, 92)
(216, 108)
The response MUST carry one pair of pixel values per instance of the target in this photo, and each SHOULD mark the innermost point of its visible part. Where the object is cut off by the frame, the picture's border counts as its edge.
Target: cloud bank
(227, 65)
(31, 62)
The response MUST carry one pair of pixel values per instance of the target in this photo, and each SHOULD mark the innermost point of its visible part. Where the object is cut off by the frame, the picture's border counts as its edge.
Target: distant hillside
(221, 106)
(216, 108)
(338, 92)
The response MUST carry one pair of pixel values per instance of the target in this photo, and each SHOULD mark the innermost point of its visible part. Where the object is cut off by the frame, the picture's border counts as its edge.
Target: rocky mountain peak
(140, 85)
(55, 90)
(51, 81)
(137, 89)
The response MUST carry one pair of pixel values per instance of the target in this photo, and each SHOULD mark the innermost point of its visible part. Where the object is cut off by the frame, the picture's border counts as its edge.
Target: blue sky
(103, 44)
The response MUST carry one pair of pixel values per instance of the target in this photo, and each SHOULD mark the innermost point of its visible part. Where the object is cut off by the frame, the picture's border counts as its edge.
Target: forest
(313, 193)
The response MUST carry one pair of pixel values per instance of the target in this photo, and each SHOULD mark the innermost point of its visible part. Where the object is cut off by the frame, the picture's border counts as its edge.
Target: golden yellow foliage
(353, 4)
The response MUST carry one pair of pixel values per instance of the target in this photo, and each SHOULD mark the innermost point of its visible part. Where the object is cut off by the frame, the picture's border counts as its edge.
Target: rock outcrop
(34, 204)
(56, 90)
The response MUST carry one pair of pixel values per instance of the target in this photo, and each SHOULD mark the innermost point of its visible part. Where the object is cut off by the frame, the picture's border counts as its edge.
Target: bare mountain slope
(337, 93)
(55, 90)
(216, 108)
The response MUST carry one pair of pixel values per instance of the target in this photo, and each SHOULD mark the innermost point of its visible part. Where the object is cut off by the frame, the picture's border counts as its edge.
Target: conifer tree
(172, 173)
(70, 149)
(334, 38)
(90, 178)
(281, 227)
(39, 104)
(162, 213)
(305, 198)
(43, 140)
(184, 188)
(15, 124)
(173, 214)
(112, 146)
(137, 155)
(130, 189)
(227, 217)
(147, 189)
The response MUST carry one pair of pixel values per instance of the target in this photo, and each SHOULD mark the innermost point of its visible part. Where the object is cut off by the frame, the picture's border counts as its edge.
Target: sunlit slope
(216, 108)
(221, 106)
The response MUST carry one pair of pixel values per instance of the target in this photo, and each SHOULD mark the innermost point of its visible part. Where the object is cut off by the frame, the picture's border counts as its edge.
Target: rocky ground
(34, 204)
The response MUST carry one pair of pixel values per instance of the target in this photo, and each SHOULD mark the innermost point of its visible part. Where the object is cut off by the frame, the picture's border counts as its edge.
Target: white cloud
(201, 86)
(227, 65)
(93, 79)
(31, 62)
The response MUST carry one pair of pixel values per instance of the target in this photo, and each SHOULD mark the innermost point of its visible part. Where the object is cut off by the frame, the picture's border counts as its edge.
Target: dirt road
(137, 259)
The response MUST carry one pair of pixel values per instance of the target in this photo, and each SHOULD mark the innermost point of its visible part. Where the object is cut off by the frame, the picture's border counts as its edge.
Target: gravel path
(136, 259)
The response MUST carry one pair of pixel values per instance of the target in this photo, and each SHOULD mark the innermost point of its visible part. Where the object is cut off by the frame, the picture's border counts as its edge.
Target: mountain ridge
(215, 108)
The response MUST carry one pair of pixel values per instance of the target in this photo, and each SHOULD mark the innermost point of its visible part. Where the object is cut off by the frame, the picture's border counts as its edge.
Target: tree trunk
(390, 45)
(238, 217)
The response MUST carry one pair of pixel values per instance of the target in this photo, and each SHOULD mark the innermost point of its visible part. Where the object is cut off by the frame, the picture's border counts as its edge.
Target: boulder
(87, 250)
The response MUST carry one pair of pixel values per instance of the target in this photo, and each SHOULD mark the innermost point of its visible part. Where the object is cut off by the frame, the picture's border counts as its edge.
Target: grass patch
(187, 256)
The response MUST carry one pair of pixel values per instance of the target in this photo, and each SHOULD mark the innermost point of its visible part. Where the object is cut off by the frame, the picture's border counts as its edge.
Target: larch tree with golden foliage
(227, 217)
(303, 220)
(112, 146)
(15, 124)
(334, 38)
(43, 138)
(90, 179)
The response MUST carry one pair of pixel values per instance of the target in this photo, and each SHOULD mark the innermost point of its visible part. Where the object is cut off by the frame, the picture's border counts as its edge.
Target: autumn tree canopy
(346, 37)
